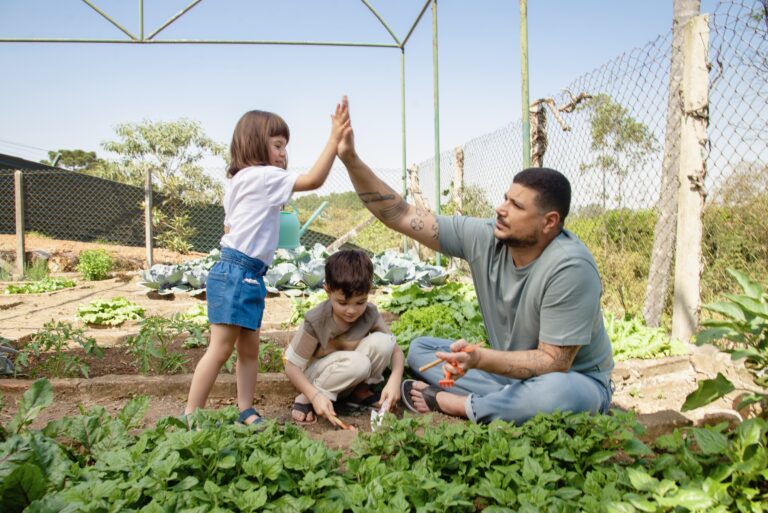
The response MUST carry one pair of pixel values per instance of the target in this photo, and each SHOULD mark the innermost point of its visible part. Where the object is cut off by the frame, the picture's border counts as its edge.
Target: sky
(71, 96)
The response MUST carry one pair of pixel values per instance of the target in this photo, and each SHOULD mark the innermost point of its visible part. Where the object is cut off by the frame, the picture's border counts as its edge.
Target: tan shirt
(320, 336)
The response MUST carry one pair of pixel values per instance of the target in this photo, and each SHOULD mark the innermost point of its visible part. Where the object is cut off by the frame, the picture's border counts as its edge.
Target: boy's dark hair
(251, 139)
(553, 188)
(350, 271)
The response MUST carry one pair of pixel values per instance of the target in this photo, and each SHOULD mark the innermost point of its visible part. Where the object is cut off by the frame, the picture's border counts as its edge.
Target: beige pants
(338, 373)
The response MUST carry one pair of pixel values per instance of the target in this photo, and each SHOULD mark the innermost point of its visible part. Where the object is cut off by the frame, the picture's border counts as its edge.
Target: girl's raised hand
(340, 120)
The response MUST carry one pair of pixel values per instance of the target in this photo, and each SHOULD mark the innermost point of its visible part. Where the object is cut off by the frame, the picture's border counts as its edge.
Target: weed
(36, 271)
(270, 357)
(49, 348)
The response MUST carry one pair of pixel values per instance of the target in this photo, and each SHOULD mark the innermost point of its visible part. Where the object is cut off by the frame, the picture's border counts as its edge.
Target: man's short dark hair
(553, 188)
(350, 271)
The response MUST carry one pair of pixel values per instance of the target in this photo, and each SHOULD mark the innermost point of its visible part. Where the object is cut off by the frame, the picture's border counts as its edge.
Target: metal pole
(141, 20)
(18, 179)
(524, 72)
(402, 115)
(148, 218)
(437, 116)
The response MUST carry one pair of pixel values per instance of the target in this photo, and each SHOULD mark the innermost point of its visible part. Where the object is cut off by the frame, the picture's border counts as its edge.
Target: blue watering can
(290, 229)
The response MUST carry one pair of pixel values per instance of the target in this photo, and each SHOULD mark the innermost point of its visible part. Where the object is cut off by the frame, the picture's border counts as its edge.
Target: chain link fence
(609, 131)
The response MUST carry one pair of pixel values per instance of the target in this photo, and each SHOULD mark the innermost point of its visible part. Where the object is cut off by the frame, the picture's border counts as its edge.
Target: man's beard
(517, 242)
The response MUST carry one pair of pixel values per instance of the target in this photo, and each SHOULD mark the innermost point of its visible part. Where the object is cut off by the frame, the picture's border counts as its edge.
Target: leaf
(694, 500)
(729, 310)
(710, 441)
(38, 397)
(708, 391)
(132, 413)
(750, 287)
(642, 480)
(23, 485)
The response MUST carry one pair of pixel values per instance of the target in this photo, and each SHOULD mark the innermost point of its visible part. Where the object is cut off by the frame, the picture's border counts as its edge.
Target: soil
(655, 389)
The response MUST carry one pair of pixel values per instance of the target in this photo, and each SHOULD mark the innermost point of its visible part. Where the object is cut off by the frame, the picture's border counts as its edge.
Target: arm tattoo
(436, 231)
(417, 224)
(373, 197)
(393, 212)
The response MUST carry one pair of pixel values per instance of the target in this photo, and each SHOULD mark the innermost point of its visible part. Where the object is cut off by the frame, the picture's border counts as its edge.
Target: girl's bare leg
(247, 369)
(223, 338)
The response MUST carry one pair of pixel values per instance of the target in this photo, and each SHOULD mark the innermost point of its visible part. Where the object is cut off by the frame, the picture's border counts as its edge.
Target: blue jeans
(492, 396)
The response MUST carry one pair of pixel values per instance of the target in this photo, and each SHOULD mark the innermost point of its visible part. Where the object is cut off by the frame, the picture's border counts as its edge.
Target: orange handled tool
(448, 381)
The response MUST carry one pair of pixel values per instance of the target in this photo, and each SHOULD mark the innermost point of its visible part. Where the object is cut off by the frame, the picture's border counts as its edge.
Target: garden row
(94, 462)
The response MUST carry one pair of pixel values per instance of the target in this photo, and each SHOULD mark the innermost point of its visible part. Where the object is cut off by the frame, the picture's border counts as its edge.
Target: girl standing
(235, 290)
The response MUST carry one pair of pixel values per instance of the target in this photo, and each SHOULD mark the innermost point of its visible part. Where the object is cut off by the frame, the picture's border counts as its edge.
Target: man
(539, 292)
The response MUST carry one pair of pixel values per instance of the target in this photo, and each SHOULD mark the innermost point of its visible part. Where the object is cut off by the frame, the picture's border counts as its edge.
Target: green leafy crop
(37, 287)
(95, 264)
(110, 312)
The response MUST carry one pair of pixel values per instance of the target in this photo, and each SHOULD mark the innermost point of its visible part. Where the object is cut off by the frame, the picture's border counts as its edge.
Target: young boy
(343, 346)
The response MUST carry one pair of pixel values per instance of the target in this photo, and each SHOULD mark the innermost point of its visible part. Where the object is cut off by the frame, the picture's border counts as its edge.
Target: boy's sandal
(250, 412)
(429, 394)
(305, 408)
(363, 404)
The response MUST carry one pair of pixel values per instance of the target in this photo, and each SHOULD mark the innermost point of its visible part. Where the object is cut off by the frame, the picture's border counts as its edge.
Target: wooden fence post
(691, 174)
(18, 181)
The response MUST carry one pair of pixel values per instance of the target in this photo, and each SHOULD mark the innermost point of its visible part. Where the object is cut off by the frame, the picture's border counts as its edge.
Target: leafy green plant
(94, 264)
(152, 347)
(110, 312)
(36, 287)
(741, 330)
(270, 357)
(302, 304)
(48, 353)
(631, 338)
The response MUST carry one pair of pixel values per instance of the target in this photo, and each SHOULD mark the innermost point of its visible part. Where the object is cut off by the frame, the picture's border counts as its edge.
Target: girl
(258, 186)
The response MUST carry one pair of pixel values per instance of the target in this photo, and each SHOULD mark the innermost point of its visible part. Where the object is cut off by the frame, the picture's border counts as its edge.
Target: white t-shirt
(252, 210)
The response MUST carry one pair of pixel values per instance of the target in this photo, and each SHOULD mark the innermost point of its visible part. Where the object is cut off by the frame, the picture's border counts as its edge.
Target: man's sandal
(429, 394)
(250, 412)
(306, 409)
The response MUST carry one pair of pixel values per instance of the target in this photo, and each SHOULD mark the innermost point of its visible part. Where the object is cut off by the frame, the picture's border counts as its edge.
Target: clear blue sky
(71, 95)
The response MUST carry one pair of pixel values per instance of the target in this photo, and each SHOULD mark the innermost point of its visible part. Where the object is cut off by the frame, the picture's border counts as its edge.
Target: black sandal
(250, 412)
(429, 394)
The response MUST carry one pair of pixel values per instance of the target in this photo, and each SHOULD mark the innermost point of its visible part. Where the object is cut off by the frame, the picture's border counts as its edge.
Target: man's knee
(423, 349)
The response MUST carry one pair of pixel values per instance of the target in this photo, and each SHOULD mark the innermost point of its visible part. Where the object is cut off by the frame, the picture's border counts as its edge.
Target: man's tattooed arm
(527, 364)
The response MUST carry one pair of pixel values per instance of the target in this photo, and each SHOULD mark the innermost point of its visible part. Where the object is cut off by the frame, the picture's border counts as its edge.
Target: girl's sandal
(246, 414)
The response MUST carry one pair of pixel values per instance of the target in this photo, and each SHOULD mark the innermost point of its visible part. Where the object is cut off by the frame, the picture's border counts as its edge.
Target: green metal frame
(152, 39)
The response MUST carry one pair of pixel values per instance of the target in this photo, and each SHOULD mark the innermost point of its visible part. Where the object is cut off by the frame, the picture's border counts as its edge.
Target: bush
(95, 264)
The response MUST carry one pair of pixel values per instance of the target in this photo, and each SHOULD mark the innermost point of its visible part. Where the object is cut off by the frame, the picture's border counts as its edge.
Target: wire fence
(609, 131)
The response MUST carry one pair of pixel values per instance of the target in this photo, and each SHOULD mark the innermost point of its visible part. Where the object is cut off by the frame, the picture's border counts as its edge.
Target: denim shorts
(235, 290)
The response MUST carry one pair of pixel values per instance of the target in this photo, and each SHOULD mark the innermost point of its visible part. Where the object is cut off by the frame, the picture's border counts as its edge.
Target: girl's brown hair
(251, 139)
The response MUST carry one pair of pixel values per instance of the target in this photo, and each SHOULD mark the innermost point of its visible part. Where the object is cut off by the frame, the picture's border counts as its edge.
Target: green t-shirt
(554, 299)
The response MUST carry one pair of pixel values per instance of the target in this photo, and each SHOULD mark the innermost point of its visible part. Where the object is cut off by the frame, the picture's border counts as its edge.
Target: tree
(620, 141)
(85, 162)
(172, 152)
(666, 224)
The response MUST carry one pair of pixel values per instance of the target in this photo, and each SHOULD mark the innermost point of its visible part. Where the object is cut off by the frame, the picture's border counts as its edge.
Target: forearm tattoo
(393, 212)
(527, 364)
(373, 197)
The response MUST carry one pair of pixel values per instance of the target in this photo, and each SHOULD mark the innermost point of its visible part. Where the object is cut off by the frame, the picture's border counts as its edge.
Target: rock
(63, 262)
(662, 422)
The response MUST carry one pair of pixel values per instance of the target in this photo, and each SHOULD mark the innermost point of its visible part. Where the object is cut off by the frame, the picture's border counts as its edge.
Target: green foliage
(270, 357)
(448, 311)
(620, 141)
(631, 338)
(48, 353)
(110, 312)
(476, 203)
(88, 163)
(173, 231)
(37, 271)
(196, 314)
(94, 264)
(740, 328)
(621, 243)
(37, 287)
(555, 462)
(152, 347)
(300, 305)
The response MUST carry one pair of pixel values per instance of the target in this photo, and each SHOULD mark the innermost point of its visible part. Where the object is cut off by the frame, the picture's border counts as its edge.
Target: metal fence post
(18, 182)
(692, 171)
(148, 218)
